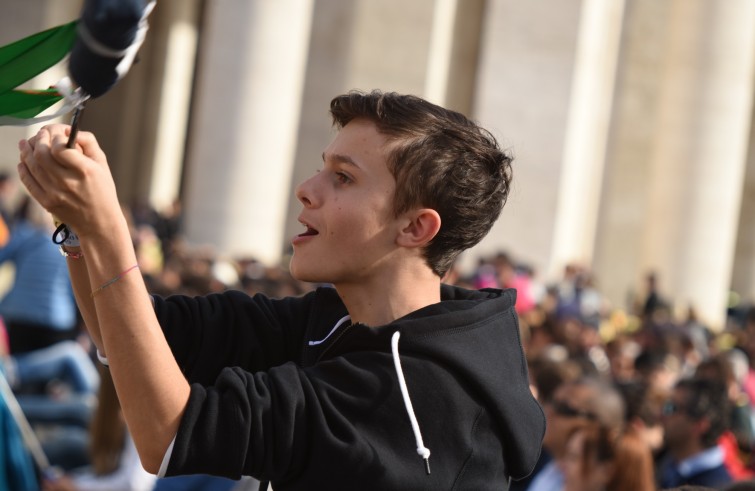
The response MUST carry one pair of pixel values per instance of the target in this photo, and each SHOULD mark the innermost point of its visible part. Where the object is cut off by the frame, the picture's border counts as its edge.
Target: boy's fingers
(57, 141)
(89, 146)
(57, 136)
(30, 183)
(39, 163)
(41, 142)
(39, 160)
(63, 129)
(86, 144)
(47, 131)
(24, 150)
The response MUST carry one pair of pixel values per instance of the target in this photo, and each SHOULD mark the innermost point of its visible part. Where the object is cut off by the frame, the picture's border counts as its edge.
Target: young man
(389, 380)
(693, 420)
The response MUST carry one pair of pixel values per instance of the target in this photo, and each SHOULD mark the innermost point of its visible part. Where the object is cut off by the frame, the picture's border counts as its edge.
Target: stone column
(623, 212)
(389, 45)
(244, 125)
(175, 40)
(526, 64)
(743, 280)
(586, 133)
(700, 152)
(454, 53)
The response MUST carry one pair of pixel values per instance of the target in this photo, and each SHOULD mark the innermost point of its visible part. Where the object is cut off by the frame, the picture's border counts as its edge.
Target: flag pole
(62, 232)
(75, 125)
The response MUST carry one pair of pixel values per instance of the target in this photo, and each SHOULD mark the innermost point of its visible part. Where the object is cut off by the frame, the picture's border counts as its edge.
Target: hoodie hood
(478, 335)
(474, 334)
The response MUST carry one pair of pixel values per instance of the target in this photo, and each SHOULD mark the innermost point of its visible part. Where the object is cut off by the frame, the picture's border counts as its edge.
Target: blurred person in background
(737, 441)
(635, 469)
(597, 460)
(114, 462)
(643, 413)
(694, 418)
(658, 369)
(52, 375)
(589, 459)
(575, 404)
(39, 309)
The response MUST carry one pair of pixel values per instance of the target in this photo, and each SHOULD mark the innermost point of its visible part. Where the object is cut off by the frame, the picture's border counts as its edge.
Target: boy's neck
(382, 301)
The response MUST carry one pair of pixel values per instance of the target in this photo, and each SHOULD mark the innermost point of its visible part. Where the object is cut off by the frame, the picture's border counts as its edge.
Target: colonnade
(630, 121)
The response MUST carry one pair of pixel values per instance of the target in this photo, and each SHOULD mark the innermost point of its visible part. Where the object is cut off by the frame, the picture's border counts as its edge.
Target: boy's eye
(343, 178)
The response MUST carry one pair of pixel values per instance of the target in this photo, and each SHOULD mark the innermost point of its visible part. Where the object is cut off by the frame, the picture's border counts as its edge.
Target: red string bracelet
(110, 282)
(71, 254)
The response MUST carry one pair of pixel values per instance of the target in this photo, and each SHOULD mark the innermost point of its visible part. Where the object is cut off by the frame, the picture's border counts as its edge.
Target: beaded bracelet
(110, 282)
(70, 254)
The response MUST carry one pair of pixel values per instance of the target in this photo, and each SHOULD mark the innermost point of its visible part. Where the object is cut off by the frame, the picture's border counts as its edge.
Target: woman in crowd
(597, 460)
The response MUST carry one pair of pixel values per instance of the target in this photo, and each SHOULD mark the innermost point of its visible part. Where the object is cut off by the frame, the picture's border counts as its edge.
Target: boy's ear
(423, 224)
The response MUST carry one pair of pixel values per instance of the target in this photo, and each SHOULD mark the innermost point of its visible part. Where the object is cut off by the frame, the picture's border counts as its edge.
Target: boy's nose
(303, 193)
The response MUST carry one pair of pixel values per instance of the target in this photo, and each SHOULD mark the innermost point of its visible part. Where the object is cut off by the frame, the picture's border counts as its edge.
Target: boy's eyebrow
(337, 157)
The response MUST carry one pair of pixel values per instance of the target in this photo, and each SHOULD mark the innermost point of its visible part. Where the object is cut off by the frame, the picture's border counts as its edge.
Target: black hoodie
(311, 401)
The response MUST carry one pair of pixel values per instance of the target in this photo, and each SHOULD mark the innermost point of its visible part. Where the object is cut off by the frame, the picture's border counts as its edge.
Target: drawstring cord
(423, 451)
(338, 324)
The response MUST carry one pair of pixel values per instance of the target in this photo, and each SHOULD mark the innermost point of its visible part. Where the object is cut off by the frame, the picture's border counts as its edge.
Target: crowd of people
(634, 398)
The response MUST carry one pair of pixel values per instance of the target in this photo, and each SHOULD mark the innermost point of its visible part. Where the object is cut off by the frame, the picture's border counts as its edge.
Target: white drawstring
(338, 324)
(423, 451)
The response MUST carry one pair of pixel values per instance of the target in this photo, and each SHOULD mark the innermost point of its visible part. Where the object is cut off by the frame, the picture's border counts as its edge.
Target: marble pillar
(699, 154)
(743, 278)
(624, 204)
(522, 95)
(243, 135)
(587, 128)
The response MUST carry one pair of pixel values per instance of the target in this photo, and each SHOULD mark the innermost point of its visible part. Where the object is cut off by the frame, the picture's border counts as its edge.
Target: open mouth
(308, 232)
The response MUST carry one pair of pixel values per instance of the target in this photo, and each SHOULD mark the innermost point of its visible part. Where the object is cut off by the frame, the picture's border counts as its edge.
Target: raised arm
(77, 270)
(76, 186)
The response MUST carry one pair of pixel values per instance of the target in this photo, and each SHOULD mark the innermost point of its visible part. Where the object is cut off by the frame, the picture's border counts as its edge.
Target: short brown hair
(442, 160)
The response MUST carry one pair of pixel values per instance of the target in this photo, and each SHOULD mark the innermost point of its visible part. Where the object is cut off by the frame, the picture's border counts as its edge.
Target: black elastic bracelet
(61, 234)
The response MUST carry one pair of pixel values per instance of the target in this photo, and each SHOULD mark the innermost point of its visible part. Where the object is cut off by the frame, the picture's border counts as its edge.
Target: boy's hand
(74, 184)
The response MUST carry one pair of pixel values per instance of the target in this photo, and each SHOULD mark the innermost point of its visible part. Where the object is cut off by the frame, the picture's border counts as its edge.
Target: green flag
(27, 104)
(24, 59)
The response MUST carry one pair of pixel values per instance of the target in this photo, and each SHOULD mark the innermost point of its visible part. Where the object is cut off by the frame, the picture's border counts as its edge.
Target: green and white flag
(102, 44)
(23, 60)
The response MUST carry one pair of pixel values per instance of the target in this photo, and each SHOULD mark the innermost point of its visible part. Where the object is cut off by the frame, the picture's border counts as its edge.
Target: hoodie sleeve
(284, 422)
(226, 329)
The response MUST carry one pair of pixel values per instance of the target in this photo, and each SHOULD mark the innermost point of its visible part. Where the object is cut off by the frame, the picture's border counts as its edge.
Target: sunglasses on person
(670, 407)
(564, 409)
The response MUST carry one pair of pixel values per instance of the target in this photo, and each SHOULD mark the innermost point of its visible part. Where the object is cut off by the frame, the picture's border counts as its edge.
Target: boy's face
(347, 211)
